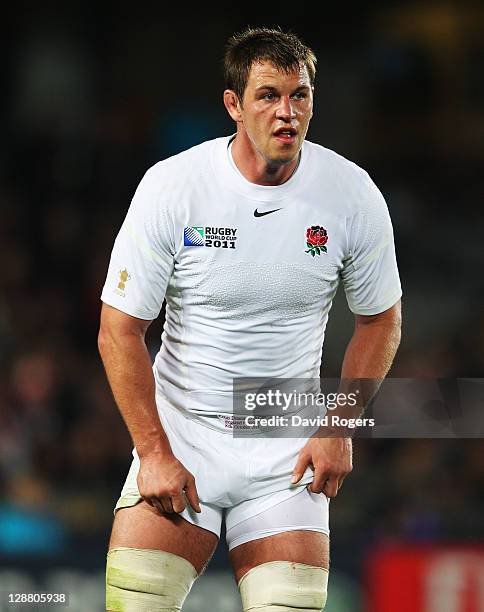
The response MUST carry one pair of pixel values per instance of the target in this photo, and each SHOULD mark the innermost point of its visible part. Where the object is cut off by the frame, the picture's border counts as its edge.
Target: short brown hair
(283, 49)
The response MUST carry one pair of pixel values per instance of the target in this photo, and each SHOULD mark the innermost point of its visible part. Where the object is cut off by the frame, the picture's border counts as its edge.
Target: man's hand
(163, 482)
(331, 461)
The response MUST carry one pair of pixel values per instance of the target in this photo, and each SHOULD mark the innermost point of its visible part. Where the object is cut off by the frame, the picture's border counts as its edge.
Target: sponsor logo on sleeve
(208, 236)
(316, 238)
(124, 277)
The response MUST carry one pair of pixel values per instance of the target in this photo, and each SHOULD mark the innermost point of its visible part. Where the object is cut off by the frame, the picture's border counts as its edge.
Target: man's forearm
(128, 368)
(371, 350)
(368, 359)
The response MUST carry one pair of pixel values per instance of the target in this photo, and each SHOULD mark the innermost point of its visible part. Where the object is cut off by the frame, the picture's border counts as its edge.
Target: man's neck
(255, 168)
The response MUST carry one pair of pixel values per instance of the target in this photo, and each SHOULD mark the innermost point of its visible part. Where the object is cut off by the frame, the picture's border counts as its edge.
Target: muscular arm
(122, 347)
(373, 346)
(127, 363)
(369, 356)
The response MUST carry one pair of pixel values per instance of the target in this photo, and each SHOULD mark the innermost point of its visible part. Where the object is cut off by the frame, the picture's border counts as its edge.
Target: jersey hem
(374, 310)
(133, 312)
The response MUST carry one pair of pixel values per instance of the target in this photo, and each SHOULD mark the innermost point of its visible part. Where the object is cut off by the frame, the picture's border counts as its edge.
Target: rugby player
(247, 238)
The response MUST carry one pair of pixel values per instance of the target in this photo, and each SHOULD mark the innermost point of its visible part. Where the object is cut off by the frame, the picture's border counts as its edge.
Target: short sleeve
(370, 273)
(142, 257)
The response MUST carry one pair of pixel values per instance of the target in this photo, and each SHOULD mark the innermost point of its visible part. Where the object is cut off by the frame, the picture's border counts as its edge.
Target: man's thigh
(295, 529)
(308, 547)
(143, 527)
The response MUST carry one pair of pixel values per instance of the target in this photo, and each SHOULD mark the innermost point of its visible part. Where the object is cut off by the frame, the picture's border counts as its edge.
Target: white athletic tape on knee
(282, 586)
(139, 580)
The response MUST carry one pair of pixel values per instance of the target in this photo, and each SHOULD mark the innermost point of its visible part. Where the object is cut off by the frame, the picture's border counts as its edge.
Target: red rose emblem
(316, 238)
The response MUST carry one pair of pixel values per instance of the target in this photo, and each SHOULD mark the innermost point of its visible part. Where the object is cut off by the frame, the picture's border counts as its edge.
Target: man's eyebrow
(272, 88)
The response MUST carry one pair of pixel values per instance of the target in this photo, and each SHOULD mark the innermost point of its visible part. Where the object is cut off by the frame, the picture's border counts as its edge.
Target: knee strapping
(139, 580)
(282, 586)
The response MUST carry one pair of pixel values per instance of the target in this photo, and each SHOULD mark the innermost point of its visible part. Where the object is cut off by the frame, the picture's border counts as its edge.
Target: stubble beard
(278, 162)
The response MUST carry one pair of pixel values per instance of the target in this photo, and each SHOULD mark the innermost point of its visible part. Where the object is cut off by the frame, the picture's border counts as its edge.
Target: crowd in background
(89, 109)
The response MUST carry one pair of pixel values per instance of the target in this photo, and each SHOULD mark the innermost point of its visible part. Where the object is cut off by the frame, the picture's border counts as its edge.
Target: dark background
(94, 95)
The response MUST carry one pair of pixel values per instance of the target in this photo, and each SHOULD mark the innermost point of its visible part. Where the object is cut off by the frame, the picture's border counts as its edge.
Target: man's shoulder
(335, 162)
(167, 182)
(351, 186)
(195, 158)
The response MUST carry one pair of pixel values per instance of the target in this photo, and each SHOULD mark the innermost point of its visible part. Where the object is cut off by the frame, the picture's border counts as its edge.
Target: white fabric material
(142, 580)
(305, 511)
(251, 301)
(238, 477)
(283, 586)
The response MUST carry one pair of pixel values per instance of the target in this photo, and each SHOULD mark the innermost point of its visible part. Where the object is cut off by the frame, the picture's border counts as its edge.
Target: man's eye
(299, 95)
(268, 96)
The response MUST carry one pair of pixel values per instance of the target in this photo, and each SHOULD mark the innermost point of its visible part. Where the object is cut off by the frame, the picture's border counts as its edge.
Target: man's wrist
(330, 431)
(158, 446)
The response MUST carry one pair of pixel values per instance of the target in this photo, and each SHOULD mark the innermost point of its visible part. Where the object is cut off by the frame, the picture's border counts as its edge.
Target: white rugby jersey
(248, 271)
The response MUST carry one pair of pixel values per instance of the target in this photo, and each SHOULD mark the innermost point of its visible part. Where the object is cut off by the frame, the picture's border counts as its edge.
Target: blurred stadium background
(94, 95)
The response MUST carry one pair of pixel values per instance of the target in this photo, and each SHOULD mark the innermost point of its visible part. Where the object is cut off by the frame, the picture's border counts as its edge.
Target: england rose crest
(316, 238)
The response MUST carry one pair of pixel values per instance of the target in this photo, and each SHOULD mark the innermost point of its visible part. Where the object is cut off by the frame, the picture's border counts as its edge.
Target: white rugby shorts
(237, 478)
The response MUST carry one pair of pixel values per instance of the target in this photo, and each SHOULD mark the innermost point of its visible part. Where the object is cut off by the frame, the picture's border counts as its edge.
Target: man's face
(276, 111)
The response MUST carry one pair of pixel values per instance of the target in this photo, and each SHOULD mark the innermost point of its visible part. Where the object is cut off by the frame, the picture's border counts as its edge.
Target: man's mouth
(286, 134)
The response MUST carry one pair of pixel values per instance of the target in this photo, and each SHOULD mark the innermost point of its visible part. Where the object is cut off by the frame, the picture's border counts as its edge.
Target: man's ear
(232, 105)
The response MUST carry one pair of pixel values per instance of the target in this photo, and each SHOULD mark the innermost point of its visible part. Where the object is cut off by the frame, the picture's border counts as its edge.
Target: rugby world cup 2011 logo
(194, 236)
(210, 236)
(316, 238)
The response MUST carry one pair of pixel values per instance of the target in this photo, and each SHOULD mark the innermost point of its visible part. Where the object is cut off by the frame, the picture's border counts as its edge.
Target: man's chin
(282, 158)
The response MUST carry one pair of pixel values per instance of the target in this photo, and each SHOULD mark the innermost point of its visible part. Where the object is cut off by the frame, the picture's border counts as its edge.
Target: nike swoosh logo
(262, 214)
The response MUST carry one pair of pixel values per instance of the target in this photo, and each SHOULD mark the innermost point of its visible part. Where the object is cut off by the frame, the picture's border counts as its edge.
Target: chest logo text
(207, 236)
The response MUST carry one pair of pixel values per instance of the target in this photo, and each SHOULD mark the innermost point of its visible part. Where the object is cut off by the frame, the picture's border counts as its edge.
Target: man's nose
(285, 110)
